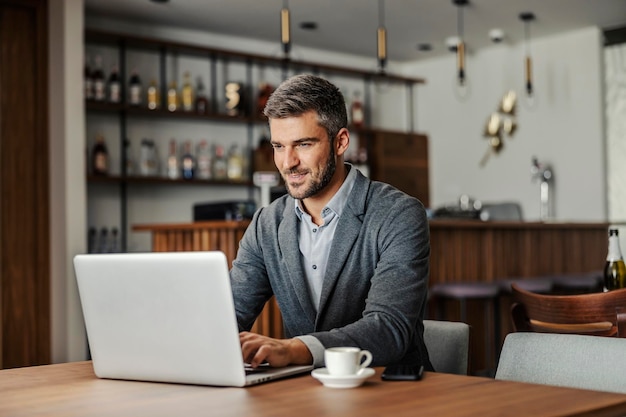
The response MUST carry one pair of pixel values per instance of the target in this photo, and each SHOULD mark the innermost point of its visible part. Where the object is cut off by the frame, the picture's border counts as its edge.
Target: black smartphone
(403, 372)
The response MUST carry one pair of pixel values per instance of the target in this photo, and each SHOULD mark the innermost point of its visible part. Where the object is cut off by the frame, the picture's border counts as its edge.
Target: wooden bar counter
(461, 250)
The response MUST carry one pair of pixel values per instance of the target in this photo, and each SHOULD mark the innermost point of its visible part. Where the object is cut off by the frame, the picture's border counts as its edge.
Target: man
(347, 258)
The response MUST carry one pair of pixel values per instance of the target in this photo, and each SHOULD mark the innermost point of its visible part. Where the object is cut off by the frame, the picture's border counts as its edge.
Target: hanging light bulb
(527, 17)
(285, 29)
(460, 49)
(381, 38)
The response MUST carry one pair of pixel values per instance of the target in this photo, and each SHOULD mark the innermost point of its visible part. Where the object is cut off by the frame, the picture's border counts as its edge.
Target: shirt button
(314, 266)
(314, 230)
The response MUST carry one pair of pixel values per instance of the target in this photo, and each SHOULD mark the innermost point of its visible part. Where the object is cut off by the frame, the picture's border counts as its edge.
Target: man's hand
(258, 349)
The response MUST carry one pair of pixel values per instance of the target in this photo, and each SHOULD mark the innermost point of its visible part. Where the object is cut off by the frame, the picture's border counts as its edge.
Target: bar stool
(485, 293)
(571, 284)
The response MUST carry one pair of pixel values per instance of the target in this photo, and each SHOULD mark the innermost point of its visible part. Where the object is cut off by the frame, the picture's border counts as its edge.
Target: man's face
(303, 154)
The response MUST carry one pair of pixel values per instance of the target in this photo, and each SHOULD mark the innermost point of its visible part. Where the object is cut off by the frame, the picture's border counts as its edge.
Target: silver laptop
(166, 317)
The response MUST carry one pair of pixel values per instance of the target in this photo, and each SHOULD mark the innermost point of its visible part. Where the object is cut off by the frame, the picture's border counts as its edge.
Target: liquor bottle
(88, 81)
(128, 156)
(114, 87)
(154, 101)
(357, 113)
(99, 87)
(135, 93)
(100, 157)
(614, 270)
(187, 93)
(205, 171)
(235, 164)
(149, 160)
(172, 97)
(92, 239)
(113, 241)
(220, 166)
(103, 241)
(172, 161)
(187, 162)
(202, 103)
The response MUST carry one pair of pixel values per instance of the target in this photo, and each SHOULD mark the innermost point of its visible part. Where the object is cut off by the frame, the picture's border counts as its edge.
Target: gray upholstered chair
(448, 345)
(568, 360)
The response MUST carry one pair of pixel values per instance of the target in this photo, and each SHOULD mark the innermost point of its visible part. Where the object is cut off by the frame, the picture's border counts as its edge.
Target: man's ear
(342, 141)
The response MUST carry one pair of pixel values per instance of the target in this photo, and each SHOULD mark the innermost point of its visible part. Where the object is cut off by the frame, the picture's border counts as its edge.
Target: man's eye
(304, 145)
(276, 146)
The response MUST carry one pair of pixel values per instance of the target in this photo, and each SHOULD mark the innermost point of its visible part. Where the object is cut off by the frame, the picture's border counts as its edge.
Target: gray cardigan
(375, 290)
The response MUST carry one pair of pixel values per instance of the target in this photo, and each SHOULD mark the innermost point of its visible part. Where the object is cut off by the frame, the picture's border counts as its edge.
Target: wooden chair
(591, 314)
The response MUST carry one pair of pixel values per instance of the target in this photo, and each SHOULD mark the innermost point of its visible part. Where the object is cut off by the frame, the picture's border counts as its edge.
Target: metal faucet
(543, 173)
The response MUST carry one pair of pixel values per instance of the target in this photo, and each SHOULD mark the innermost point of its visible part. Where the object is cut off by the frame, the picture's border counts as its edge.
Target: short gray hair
(302, 93)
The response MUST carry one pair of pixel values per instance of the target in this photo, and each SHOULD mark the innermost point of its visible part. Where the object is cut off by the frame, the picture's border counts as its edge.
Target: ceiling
(349, 26)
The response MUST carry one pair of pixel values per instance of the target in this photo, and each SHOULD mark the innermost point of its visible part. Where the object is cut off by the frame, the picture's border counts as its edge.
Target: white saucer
(340, 381)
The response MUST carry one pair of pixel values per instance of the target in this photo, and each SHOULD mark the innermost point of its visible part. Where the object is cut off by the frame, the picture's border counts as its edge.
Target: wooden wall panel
(24, 206)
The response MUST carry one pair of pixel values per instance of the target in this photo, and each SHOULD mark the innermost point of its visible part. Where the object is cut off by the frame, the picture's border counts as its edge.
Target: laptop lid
(166, 316)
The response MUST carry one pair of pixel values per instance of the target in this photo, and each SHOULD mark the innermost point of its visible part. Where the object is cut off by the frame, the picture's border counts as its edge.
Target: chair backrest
(448, 345)
(567, 360)
(593, 314)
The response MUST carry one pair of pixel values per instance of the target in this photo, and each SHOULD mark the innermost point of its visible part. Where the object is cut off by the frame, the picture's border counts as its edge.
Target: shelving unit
(165, 61)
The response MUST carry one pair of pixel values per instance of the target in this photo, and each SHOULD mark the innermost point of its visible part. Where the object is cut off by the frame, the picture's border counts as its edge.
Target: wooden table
(72, 389)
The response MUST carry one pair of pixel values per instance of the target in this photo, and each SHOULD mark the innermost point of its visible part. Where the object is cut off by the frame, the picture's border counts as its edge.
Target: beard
(316, 183)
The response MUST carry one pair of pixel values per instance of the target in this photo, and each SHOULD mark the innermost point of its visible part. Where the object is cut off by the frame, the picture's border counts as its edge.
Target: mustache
(295, 172)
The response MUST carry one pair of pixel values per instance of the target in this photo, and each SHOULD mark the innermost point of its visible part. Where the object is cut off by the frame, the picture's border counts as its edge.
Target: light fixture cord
(460, 50)
(528, 70)
(381, 36)
(285, 29)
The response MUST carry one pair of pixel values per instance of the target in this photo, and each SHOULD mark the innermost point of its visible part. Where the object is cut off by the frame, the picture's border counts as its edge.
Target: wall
(565, 128)
(67, 178)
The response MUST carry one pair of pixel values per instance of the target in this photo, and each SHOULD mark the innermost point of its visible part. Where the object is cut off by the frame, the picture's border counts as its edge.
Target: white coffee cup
(343, 361)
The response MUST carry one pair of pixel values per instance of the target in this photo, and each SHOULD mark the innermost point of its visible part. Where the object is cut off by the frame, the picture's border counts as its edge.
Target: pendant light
(285, 29)
(461, 85)
(381, 36)
(528, 17)
(460, 49)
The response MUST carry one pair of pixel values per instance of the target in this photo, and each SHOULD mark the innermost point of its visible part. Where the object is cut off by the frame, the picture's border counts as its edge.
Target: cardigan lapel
(290, 249)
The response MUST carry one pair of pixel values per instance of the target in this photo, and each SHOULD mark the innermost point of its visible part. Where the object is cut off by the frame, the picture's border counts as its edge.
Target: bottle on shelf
(88, 81)
(202, 103)
(103, 241)
(235, 164)
(128, 156)
(92, 240)
(100, 157)
(172, 97)
(154, 100)
(204, 161)
(357, 112)
(135, 93)
(614, 269)
(172, 161)
(220, 165)
(99, 87)
(187, 96)
(187, 162)
(113, 241)
(149, 163)
(114, 86)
